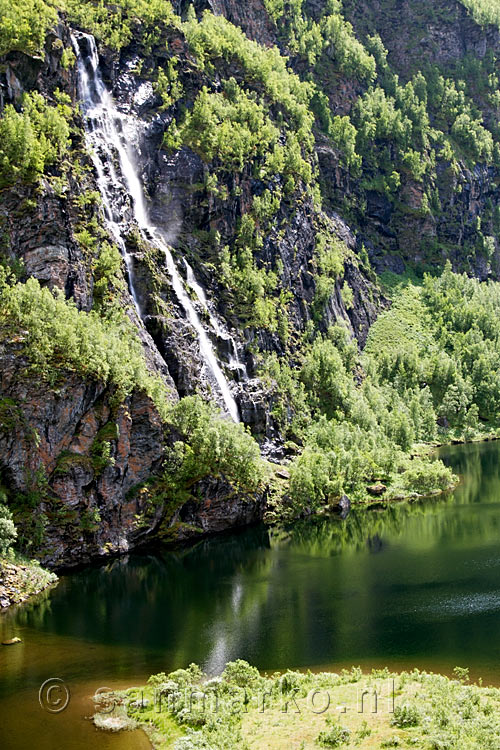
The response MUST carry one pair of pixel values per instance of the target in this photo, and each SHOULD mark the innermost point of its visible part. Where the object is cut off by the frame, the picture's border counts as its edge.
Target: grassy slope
(406, 321)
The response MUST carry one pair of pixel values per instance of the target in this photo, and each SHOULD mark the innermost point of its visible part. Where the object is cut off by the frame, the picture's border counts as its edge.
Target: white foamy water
(106, 131)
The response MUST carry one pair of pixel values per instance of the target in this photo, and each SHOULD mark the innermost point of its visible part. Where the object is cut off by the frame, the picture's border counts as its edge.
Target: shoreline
(428, 449)
(21, 579)
(187, 710)
(26, 577)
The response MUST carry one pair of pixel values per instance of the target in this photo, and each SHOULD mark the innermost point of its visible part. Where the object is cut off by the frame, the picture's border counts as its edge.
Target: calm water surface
(413, 585)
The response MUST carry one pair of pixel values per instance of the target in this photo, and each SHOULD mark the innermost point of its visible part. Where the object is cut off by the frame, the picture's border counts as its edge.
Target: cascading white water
(234, 360)
(103, 126)
(101, 135)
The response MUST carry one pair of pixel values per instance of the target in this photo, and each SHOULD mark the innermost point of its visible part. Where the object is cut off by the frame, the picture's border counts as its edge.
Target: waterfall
(234, 360)
(101, 135)
(104, 126)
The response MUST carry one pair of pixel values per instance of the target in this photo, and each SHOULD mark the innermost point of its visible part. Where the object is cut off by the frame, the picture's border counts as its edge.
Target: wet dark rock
(255, 405)
(379, 207)
(344, 505)
(376, 489)
(393, 263)
(67, 421)
(218, 509)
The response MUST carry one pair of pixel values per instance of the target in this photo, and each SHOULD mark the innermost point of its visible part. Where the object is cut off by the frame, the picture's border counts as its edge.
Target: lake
(412, 585)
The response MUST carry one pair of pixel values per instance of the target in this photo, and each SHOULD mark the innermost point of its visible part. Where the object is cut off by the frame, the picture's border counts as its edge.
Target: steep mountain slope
(197, 203)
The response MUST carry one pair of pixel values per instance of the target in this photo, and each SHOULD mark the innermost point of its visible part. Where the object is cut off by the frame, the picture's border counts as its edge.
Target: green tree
(8, 533)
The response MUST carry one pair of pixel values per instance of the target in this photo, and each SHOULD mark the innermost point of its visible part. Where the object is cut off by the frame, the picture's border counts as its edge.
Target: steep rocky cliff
(440, 39)
(275, 225)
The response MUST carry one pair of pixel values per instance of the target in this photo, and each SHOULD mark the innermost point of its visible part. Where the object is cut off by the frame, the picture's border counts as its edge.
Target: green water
(413, 585)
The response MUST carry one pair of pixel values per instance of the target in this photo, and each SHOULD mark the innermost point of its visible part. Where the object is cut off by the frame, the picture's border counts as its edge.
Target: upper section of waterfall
(105, 126)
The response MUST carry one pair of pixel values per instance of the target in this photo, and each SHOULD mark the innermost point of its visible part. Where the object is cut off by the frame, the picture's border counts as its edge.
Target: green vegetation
(451, 346)
(8, 532)
(431, 369)
(185, 710)
(393, 137)
(353, 433)
(232, 126)
(57, 337)
(24, 24)
(115, 28)
(216, 38)
(484, 11)
(107, 275)
(332, 37)
(392, 133)
(209, 446)
(100, 451)
(430, 372)
(168, 85)
(21, 578)
(33, 139)
(259, 124)
(402, 124)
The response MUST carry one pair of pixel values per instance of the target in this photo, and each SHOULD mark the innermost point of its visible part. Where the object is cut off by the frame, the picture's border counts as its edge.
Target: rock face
(88, 506)
(442, 33)
(77, 464)
(219, 509)
(344, 506)
(52, 458)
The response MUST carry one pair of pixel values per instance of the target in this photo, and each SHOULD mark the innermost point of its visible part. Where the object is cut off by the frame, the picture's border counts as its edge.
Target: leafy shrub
(315, 478)
(24, 24)
(252, 286)
(193, 741)
(107, 268)
(332, 37)
(33, 139)
(471, 134)
(8, 533)
(232, 126)
(484, 11)
(406, 716)
(291, 681)
(114, 27)
(334, 736)
(427, 477)
(57, 336)
(211, 446)
(240, 673)
(185, 677)
(215, 37)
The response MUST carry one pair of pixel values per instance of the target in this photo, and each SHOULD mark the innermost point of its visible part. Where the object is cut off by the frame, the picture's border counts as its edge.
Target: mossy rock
(67, 461)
